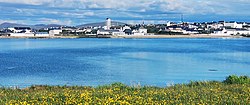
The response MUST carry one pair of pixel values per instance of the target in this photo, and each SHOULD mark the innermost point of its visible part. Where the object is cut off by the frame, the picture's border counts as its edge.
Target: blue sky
(76, 12)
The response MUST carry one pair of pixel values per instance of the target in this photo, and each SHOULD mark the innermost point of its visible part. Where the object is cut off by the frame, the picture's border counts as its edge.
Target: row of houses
(213, 28)
(230, 28)
(106, 30)
(28, 32)
(123, 31)
(232, 31)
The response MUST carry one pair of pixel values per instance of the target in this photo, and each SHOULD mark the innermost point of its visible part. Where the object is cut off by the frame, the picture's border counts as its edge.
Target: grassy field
(234, 90)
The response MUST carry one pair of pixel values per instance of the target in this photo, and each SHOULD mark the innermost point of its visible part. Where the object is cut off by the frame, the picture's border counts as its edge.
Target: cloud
(54, 21)
(89, 14)
(184, 6)
(9, 21)
(32, 2)
(87, 11)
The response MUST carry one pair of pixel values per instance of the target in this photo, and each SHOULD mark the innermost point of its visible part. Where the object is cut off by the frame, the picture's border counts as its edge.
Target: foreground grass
(212, 92)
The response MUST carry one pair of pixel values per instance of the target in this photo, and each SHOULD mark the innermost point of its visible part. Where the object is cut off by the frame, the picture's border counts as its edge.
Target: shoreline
(129, 36)
(38, 37)
(178, 36)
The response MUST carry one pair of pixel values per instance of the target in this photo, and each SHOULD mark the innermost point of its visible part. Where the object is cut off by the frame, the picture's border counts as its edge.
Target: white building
(88, 30)
(21, 32)
(110, 32)
(192, 26)
(168, 24)
(232, 32)
(221, 32)
(21, 29)
(215, 25)
(190, 31)
(125, 27)
(233, 25)
(42, 34)
(238, 32)
(103, 32)
(143, 30)
(140, 31)
(175, 29)
(55, 32)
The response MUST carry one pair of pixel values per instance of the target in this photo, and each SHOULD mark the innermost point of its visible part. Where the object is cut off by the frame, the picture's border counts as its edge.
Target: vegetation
(233, 79)
(169, 33)
(234, 90)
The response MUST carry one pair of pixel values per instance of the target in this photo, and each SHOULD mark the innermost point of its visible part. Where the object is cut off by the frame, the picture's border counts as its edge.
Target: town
(111, 28)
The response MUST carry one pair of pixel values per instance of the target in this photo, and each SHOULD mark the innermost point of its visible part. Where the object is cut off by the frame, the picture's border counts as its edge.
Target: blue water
(93, 62)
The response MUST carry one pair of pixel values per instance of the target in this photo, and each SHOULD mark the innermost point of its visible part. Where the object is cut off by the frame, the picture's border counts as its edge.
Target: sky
(77, 12)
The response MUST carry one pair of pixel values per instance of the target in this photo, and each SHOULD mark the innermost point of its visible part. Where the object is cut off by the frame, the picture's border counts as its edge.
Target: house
(21, 32)
(55, 32)
(247, 27)
(220, 32)
(5, 32)
(42, 34)
(20, 29)
(233, 24)
(175, 28)
(192, 26)
(126, 27)
(128, 31)
(215, 25)
(191, 31)
(110, 32)
(232, 31)
(143, 30)
(140, 31)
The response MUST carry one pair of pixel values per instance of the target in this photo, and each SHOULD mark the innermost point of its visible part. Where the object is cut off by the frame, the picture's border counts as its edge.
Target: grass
(230, 91)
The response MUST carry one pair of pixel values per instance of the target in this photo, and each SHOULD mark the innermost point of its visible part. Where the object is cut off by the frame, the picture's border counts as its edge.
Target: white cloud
(63, 11)
(9, 21)
(33, 2)
(54, 21)
(186, 6)
(88, 14)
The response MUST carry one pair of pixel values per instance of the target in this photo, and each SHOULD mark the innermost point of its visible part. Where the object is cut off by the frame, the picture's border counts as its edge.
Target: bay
(93, 62)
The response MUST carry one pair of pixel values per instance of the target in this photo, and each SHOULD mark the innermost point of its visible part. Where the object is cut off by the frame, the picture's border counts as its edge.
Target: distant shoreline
(38, 37)
(179, 36)
(132, 36)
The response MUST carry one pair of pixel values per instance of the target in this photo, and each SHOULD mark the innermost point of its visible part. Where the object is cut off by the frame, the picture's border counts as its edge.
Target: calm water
(155, 62)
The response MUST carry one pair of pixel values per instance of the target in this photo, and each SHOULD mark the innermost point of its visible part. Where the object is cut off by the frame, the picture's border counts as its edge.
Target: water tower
(108, 23)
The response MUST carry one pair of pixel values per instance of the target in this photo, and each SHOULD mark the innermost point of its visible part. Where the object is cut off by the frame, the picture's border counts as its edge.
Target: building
(110, 32)
(232, 31)
(220, 32)
(140, 31)
(21, 29)
(42, 34)
(128, 31)
(125, 27)
(175, 28)
(21, 32)
(143, 30)
(108, 24)
(233, 24)
(191, 31)
(55, 32)
(215, 25)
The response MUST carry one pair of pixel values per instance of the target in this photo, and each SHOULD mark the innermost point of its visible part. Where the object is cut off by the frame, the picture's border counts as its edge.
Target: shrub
(233, 79)
(202, 83)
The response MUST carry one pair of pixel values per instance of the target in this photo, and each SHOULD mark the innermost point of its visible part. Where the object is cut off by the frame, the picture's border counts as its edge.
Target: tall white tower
(108, 23)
